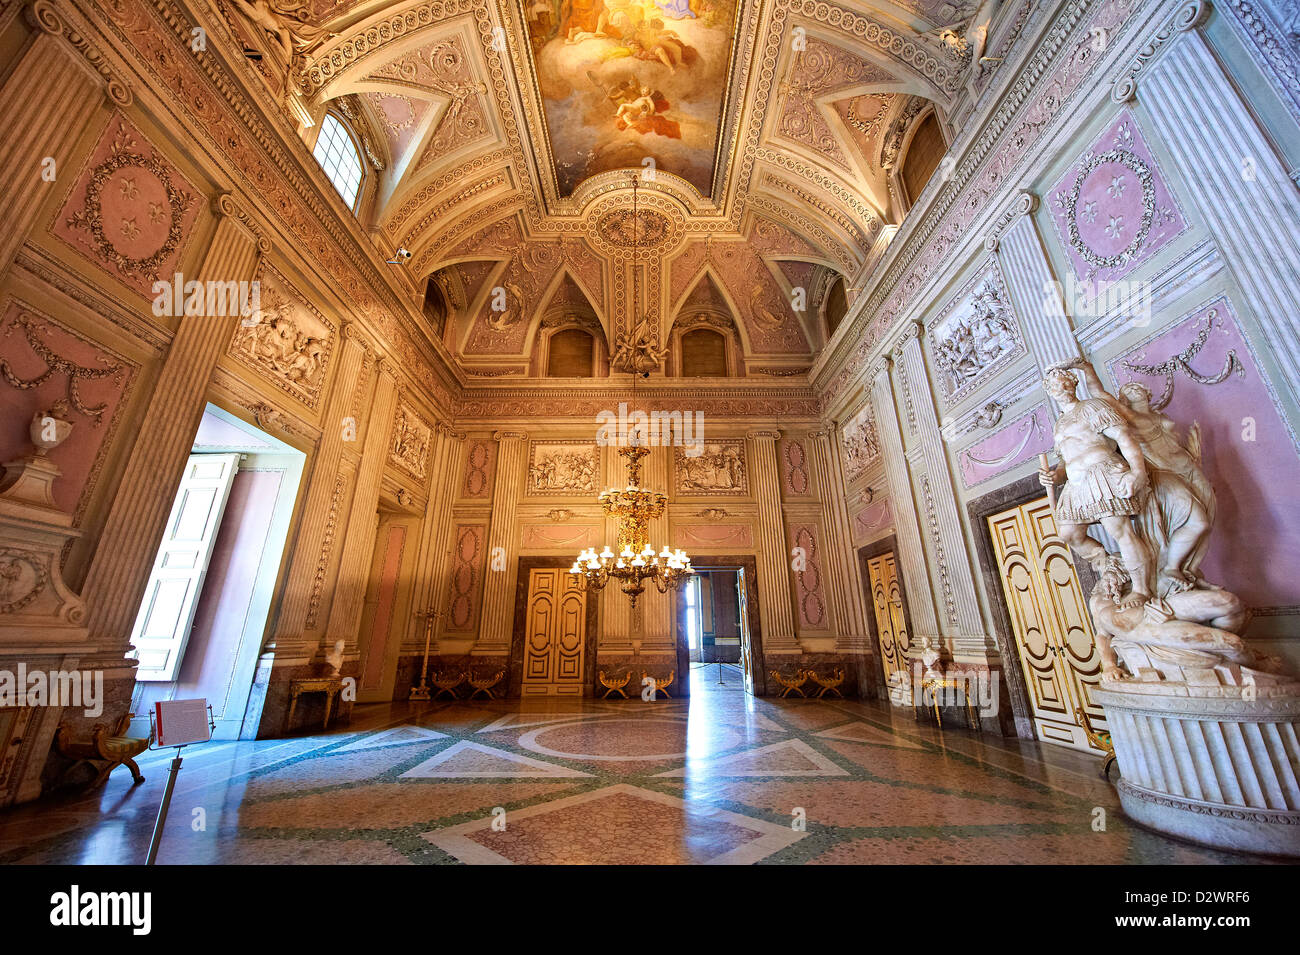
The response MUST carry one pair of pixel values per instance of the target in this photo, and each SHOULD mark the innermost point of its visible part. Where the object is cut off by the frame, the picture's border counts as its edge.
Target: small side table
(331, 686)
(932, 684)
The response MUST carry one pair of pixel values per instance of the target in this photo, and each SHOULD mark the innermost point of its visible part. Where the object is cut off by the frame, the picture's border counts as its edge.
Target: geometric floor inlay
(790, 757)
(397, 736)
(621, 825)
(723, 777)
(866, 733)
(467, 760)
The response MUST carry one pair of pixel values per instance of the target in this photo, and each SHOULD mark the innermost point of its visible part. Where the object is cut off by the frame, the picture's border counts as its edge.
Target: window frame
(352, 140)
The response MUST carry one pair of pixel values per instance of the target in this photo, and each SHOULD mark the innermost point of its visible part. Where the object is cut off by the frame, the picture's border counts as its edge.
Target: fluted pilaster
(1214, 140)
(429, 587)
(47, 102)
(656, 609)
(773, 570)
(1035, 294)
(956, 599)
(911, 553)
(165, 433)
(358, 543)
(310, 555)
(499, 588)
(617, 624)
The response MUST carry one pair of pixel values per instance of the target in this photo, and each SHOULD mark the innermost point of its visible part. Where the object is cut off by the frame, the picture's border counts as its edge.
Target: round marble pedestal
(1218, 765)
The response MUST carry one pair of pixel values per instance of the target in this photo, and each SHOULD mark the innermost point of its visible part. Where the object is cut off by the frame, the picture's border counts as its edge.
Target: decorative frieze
(974, 336)
(719, 469)
(563, 468)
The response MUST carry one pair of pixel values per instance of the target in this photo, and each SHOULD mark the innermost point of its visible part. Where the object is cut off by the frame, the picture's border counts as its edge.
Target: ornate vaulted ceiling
(504, 135)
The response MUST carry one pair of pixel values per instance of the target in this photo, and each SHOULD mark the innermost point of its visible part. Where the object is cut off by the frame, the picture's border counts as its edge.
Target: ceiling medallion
(628, 229)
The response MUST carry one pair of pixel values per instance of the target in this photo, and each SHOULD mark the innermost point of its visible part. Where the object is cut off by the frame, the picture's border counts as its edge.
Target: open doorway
(717, 629)
(203, 618)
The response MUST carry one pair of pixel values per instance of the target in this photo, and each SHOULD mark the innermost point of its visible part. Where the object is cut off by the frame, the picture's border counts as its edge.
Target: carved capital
(910, 332)
(44, 16)
(509, 435)
(1187, 17)
(1025, 203)
(764, 435)
(224, 206)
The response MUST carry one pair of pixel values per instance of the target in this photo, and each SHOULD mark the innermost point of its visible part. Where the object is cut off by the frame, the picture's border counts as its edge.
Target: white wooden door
(162, 627)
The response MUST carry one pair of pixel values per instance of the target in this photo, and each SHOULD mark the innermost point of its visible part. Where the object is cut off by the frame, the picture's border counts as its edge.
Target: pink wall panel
(32, 346)
(809, 597)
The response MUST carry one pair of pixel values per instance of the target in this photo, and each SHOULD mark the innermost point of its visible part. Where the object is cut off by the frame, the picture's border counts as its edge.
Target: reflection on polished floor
(724, 778)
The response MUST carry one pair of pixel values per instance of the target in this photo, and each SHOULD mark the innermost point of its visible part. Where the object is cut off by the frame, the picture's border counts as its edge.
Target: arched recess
(705, 311)
(426, 87)
(835, 305)
(920, 150)
(465, 286)
(566, 314)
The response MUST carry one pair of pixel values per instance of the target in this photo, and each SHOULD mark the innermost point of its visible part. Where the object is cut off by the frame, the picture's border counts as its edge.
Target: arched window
(704, 354)
(924, 152)
(338, 156)
(837, 305)
(571, 354)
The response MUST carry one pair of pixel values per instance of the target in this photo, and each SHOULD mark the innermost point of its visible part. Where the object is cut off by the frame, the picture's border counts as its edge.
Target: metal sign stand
(167, 793)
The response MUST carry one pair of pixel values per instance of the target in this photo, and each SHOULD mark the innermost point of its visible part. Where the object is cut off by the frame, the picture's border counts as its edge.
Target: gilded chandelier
(636, 564)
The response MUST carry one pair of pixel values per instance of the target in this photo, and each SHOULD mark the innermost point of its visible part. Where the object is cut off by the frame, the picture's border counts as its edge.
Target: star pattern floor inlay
(720, 778)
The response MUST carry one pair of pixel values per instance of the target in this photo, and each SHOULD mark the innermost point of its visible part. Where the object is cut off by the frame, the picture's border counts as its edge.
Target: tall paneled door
(556, 635)
(891, 622)
(1049, 618)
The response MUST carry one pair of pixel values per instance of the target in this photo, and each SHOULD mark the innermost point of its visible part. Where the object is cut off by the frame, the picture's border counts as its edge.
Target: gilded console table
(331, 686)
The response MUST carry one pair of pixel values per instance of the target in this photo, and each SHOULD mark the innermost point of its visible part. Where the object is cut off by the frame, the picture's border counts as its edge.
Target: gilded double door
(556, 635)
(1049, 618)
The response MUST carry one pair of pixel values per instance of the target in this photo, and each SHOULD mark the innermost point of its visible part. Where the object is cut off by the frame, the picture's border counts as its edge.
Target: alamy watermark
(976, 689)
(71, 689)
(1088, 300)
(652, 429)
(178, 298)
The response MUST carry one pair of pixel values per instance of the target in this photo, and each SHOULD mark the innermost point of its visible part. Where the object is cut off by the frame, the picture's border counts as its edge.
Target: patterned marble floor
(724, 779)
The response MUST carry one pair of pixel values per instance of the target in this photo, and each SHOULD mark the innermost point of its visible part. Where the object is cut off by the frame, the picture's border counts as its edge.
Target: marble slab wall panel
(1248, 453)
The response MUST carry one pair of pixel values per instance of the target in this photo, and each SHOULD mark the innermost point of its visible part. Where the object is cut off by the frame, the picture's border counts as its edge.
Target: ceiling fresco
(623, 81)
(502, 138)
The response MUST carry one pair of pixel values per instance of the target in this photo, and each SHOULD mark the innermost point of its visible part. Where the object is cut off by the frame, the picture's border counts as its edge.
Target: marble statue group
(1124, 467)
